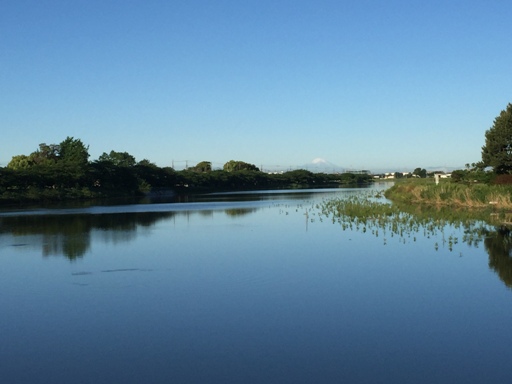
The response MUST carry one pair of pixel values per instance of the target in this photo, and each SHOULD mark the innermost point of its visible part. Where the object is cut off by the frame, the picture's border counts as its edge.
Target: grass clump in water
(406, 222)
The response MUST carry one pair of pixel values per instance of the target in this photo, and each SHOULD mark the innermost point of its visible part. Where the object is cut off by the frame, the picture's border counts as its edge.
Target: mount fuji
(320, 165)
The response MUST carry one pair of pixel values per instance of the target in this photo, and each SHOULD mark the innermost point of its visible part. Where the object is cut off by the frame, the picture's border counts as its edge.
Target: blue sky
(363, 84)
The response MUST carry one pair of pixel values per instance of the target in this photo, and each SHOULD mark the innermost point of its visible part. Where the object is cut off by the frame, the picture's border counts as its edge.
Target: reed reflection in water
(444, 225)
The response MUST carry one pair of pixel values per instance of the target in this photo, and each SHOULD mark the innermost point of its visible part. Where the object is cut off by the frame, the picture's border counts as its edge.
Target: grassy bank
(448, 193)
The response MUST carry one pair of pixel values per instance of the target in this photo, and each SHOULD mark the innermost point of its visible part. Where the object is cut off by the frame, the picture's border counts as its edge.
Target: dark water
(245, 289)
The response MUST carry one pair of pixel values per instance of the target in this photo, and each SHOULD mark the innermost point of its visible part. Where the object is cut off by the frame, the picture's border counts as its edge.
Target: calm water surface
(244, 289)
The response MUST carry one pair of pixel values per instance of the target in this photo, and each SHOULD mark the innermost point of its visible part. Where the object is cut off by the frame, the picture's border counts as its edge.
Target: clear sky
(393, 84)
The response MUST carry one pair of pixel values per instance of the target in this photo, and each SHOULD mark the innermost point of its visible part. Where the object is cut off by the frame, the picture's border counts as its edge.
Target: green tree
(20, 162)
(73, 152)
(146, 163)
(420, 172)
(203, 166)
(497, 151)
(299, 176)
(46, 154)
(458, 175)
(153, 176)
(233, 165)
(119, 159)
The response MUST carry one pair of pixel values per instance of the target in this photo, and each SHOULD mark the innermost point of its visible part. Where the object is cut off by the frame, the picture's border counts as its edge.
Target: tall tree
(497, 151)
(73, 152)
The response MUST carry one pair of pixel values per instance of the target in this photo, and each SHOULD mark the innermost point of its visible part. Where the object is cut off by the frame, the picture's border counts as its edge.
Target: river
(245, 288)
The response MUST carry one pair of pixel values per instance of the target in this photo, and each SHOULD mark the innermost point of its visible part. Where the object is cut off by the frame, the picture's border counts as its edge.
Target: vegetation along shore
(487, 183)
(63, 172)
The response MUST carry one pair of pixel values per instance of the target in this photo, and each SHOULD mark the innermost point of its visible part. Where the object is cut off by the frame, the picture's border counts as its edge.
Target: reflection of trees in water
(73, 246)
(205, 213)
(499, 247)
(66, 235)
(408, 222)
(484, 226)
(121, 227)
(70, 235)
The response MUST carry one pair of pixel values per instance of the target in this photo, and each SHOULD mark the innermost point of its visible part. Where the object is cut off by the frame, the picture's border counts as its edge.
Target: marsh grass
(407, 223)
(451, 194)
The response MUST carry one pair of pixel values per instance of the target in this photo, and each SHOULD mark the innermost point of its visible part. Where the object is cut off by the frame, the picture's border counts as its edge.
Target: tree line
(63, 171)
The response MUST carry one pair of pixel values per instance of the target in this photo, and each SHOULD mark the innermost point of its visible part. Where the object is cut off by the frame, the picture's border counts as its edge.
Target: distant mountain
(320, 165)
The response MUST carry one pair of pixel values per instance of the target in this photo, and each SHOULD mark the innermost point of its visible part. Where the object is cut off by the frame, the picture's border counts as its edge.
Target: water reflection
(224, 292)
(444, 225)
(71, 234)
(236, 212)
(67, 230)
(499, 248)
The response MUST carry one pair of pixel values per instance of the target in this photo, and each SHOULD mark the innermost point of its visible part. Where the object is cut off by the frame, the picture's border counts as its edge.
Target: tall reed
(452, 194)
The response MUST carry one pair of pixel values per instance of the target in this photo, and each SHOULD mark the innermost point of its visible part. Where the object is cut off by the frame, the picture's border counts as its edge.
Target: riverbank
(448, 193)
(40, 185)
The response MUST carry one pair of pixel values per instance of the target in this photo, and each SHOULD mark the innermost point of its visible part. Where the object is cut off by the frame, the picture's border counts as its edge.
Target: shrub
(502, 179)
